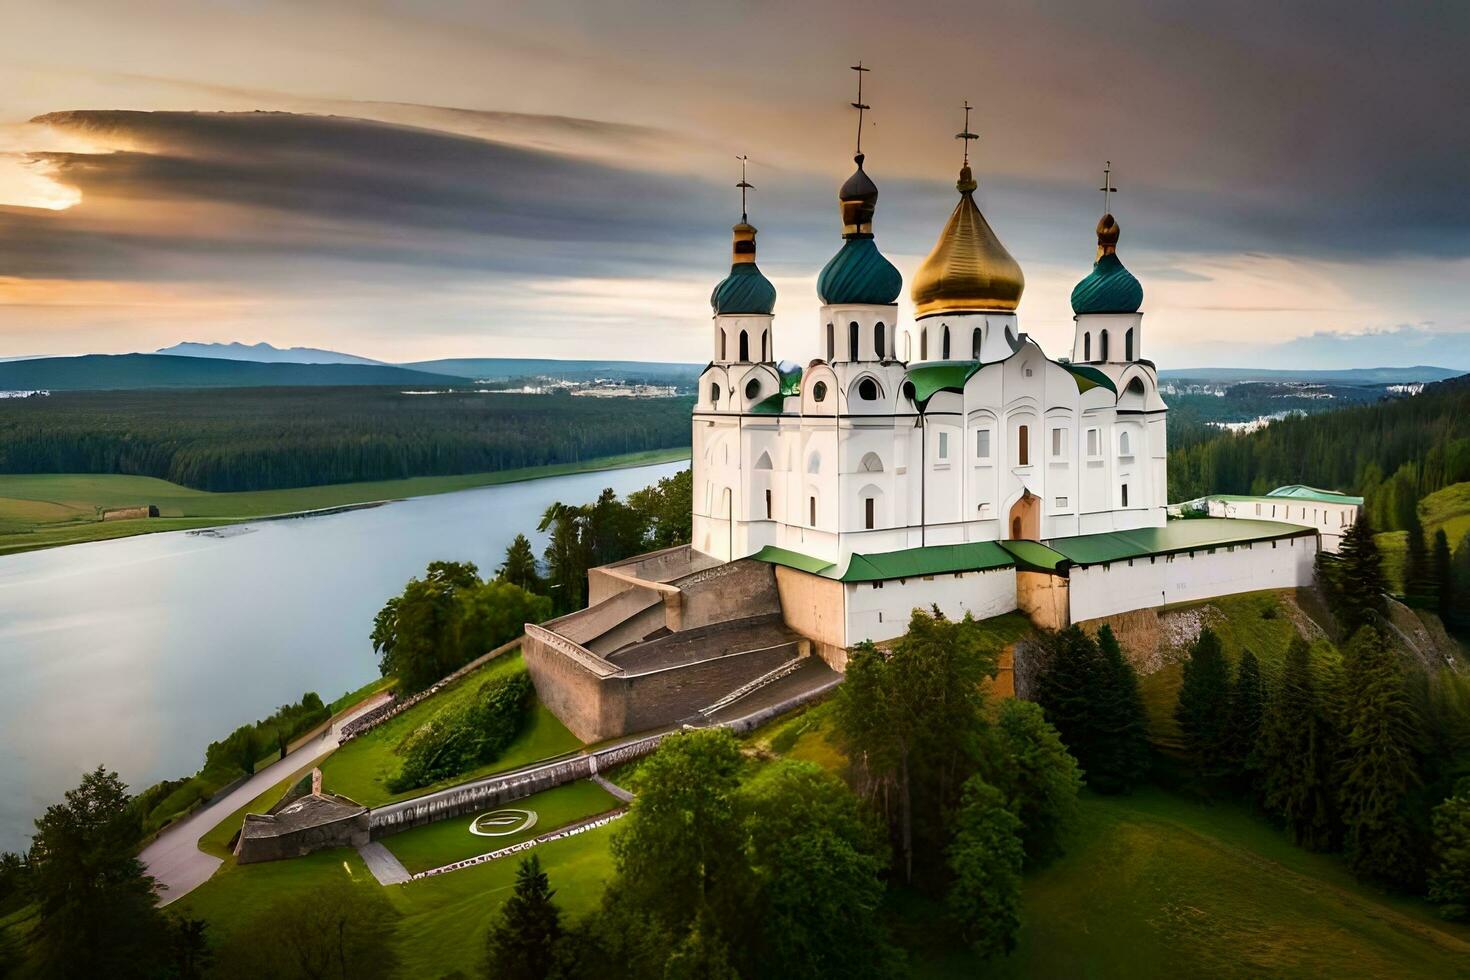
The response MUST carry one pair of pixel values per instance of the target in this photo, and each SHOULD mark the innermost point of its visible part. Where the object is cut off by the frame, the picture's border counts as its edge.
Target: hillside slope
(121, 371)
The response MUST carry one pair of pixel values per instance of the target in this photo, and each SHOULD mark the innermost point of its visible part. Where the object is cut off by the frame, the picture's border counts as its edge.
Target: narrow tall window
(831, 349)
(812, 507)
(1128, 345)
(1102, 347)
(982, 444)
(1125, 447)
(1023, 446)
(763, 345)
(868, 512)
(1087, 346)
(768, 505)
(924, 344)
(943, 447)
(852, 341)
(975, 344)
(1125, 495)
(944, 351)
(1058, 442)
(1092, 442)
(879, 347)
(744, 346)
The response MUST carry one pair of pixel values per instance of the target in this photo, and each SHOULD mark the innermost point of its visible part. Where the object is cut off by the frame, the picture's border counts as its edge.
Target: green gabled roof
(932, 377)
(1108, 288)
(1034, 556)
(744, 290)
(1173, 537)
(1088, 378)
(859, 273)
(1297, 491)
(792, 559)
(936, 559)
(770, 405)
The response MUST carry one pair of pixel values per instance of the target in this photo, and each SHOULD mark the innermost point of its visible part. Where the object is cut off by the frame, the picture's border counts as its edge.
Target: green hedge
(459, 739)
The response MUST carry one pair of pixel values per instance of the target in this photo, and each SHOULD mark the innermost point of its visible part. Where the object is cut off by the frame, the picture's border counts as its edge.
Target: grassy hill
(114, 371)
(1447, 510)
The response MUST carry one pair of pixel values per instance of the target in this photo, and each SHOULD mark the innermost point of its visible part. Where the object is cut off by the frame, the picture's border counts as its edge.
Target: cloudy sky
(408, 180)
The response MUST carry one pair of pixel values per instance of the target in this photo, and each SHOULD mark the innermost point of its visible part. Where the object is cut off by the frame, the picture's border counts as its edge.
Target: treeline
(273, 438)
(1392, 453)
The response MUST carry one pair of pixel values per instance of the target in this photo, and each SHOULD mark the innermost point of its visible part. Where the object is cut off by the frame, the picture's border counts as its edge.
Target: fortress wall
(813, 606)
(737, 590)
(1044, 598)
(1141, 583)
(672, 694)
(882, 613)
(573, 689)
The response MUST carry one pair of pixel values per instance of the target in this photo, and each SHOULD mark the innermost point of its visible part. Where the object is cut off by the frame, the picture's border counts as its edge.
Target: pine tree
(521, 943)
(1123, 722)
(1358, 587)
(1296, 755)
(1449, 878)
(1243, 729)
(1419, 582)
(1379, 764)
(1203, 708)
(520, 565)
(1090, 693)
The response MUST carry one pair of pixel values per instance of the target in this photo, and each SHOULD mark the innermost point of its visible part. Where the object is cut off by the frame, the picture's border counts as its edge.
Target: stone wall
(1044, 598)
(569, 686)
(298, 827)
(738, 590)
(813, 607)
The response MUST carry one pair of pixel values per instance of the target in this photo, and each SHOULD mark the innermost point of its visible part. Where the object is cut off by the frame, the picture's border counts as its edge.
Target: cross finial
(1107, 188)
(858, 105)
(965, 134)
(744, 186)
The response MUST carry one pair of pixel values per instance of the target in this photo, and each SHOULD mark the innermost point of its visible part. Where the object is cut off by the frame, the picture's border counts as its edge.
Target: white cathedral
(956, 429)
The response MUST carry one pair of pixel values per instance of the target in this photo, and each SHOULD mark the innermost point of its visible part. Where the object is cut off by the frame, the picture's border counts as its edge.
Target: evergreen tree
(567, 556)
(520, 565)
(1357, 588)
(1379, 765)
(1449, 878)
(985, 860)
(1038, 776)
(1442, 563)
(1090, 693)
(1296, 755)
(1243, 730)
(522, 941)
(1203, 708)
(1124, 759)
(1420, 587)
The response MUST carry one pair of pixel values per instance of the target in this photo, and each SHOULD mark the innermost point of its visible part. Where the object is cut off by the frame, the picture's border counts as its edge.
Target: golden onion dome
(969, 270)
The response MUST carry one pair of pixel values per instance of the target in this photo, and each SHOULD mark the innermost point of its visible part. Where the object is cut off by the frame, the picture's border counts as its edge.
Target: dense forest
(271, 438)
(1393, 453)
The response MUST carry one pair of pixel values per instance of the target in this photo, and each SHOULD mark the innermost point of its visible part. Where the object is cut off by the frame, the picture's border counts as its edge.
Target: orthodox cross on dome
(744, 186)
(859, 105)
(965, 134)
(1107, 188)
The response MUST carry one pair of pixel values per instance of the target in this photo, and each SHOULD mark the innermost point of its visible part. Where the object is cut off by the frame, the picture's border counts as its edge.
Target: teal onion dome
(1109, 287)
(745, 290)
(859, 273)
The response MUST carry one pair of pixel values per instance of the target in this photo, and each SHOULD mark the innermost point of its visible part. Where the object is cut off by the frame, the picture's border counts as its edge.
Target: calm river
(138, 653)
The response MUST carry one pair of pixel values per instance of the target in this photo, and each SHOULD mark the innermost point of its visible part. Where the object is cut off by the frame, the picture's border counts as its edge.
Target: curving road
(174, 858)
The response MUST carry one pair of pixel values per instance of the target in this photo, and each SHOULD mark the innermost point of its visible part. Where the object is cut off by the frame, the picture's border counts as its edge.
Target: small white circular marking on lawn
(503, 823)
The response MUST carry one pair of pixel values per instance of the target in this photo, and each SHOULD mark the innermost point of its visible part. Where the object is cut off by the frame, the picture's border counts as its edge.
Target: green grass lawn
(448, 841)
(47, 510)
(362, 768)
(1447, 510)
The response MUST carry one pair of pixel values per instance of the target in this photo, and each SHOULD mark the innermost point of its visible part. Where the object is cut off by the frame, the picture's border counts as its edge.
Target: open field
(362, 768)
(48, 510)
(448, 841)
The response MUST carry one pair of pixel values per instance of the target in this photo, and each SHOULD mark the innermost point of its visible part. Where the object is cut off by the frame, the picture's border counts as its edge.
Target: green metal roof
(1299, 492)
(770, 405)
(1034, 556)
(932, 377)
(1173, 537)
(1088, 378)
(744, 290)
(792, 559)
(935, 559)
(1108, 288)
(859, 273)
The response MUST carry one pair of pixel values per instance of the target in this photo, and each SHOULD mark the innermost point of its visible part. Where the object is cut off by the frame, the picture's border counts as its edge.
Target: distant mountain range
(500, 368)
(112, 371)
(264, 353)
(1366, 376)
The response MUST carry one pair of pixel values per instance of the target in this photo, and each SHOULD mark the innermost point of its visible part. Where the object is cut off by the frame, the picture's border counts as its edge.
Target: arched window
(814, 463)
(764, 463)
(924, 344)
(1128, 345)
(714, 394)
(819, 391)
(871, 463)
(1125, 447)
(944, 349)
(868, 515)
(1023, 446)
(1102, 346)
(752, 388)
(868, 390)
(763, 345)
(744, 346)
(975, 344)
(878, 345)
(1087, 346)
(831, 349)
(852, 341)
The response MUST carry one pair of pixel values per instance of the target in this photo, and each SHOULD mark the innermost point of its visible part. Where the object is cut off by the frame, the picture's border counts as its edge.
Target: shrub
(459, 739)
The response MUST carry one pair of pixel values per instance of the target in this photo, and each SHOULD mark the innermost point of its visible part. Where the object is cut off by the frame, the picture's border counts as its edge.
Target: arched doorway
(1025, 518)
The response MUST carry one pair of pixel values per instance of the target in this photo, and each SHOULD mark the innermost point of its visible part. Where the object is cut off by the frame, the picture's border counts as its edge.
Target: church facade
(956, 428)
